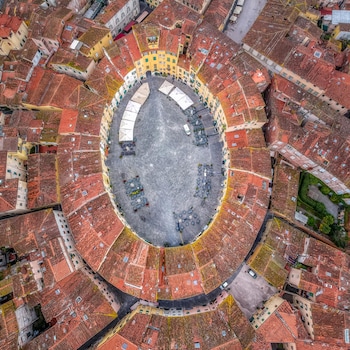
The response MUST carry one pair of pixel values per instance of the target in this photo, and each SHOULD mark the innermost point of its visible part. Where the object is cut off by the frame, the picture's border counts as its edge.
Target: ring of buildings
(102, 236)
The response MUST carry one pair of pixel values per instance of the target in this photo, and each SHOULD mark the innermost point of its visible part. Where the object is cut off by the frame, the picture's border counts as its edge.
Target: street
(251, 9)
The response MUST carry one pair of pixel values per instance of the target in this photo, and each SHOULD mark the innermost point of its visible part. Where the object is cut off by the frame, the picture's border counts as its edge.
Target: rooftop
(9, 24)
(231, 331)
(45, 88)
(285, 191)
(42, 180)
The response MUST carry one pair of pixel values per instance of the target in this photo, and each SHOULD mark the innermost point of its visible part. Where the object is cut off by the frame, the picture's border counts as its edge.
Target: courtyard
(178, 184)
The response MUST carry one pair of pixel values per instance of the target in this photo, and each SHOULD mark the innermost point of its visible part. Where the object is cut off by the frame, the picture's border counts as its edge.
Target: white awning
(127, 124)
(129, 116)
(181, 98)
(133, 107)
(126, 135)
(166, 87)
(141, 95)
(237, 10)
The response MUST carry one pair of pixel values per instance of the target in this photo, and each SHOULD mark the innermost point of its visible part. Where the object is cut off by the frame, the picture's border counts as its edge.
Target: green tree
(311, 221)
(324, 228)
(320, 208)
(328, 220)
(325, 190)
(335, 198)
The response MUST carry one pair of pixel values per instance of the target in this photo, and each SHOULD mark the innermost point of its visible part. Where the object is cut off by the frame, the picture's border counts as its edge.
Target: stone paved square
(166, 161)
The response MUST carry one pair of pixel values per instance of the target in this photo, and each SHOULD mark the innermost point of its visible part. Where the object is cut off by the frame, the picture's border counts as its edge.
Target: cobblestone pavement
(251, 10)
(166, 161)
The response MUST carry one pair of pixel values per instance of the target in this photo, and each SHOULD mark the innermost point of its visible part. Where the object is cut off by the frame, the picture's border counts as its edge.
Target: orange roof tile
(46, 87)
(42, 180)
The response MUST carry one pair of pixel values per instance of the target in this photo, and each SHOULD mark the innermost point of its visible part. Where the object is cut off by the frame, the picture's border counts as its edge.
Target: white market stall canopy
(166, 87)
(126, 129)
(133, 107)
(141, 95)
(129, 116)
(127, 124)
(237, 10)
(181, 98)
(126, 135)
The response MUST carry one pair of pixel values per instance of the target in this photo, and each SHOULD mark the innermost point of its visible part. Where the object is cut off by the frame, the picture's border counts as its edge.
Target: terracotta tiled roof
(77, 321)
(69, 58)
(285, 191)
(23, 10)
(55, 23)
(329, 324)
(8, 326)
(117, 342)
(284, 324)
(285, 90)
(328, 147)
(105, 81)
(42, 180)
(92, 37)
(46, 87)
(171, 12)
(302, 28)
(217, 12)
(270, 28)
(339, 83)
(109, 11)
(96, 226)
(232, 331)
(28, 128)
(292, 42)
(9, 24)
(251, 159)
(8, 198)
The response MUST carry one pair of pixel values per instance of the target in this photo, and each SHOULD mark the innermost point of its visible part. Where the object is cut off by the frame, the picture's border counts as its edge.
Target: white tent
(166, 87)
(185, 102)
(181, 98)
(141, 95)
(126, 135)
(133, 107)
(129, 116)
(127, 124)
(237, 10)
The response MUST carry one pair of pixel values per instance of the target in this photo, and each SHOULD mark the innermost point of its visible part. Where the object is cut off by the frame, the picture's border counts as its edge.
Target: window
(146, 59)
(154, 58)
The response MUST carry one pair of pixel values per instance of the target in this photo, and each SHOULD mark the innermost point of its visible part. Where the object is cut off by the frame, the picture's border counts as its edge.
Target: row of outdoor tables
(134, 190)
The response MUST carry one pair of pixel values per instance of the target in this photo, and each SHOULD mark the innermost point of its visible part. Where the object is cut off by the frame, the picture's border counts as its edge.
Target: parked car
(187, 130)
(224, 285)
(252, 273)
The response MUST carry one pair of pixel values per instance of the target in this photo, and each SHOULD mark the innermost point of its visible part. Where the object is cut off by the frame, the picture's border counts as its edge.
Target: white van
(187, 130)
(252, 273)
(224, 285)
